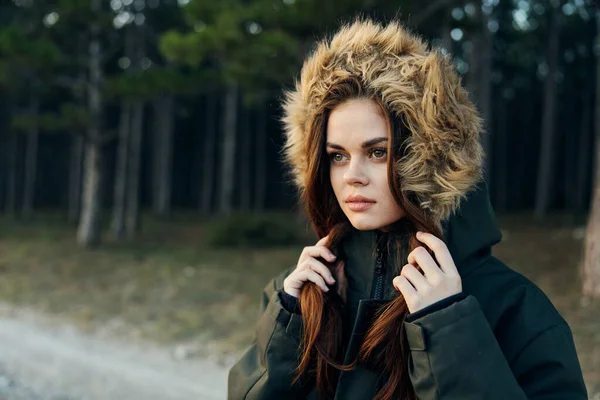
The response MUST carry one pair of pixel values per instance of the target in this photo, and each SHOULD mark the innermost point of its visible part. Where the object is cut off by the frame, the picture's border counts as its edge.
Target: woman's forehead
(356, 121)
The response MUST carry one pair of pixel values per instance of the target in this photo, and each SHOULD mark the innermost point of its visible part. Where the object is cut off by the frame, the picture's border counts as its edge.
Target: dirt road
(44, 361)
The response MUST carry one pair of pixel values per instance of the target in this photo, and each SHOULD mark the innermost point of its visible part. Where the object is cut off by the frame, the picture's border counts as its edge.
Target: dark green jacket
(502, 339)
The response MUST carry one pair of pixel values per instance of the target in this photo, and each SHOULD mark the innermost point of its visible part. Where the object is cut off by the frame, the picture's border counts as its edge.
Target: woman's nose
(355, 174)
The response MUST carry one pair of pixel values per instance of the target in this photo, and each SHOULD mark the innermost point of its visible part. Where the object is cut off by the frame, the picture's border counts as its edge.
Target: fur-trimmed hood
(444, 157)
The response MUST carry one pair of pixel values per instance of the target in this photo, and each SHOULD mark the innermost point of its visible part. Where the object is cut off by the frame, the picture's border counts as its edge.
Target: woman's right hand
(311, 269)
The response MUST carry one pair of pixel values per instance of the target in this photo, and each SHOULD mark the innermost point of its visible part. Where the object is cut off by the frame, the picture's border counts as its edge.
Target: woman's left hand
(439, 282)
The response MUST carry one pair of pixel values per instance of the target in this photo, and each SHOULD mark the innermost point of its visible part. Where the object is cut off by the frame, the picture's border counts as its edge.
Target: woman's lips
(360, 205)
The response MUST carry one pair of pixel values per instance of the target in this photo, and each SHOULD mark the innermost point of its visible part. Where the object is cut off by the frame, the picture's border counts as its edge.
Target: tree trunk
(546, 162)
(77, 146)
(132, 218)
(447, 42)
(261, 158)
(75, 172)
(245, 161)
(12, 149)
(88, 232)
(583, 161)
(502, 156)
(569, 147)
(473, 75)
(3, 160)
(228, 150)
(31, 154)
(590, 268)
(210, 134)
(523, 144)
(119, 204)
(479, 79)
(123, 150)
(474, 78)
(163, 155)
(485, 88)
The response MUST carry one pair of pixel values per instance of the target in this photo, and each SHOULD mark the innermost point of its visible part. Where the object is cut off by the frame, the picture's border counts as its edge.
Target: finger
(415, 277)
(312, 276)
(321, 270)
(403, 286)
(439, 248)
(320, 251)
(423, 259)
(324, 241)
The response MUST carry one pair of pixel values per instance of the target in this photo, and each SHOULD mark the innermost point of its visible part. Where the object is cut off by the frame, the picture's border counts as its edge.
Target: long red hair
(385, 343)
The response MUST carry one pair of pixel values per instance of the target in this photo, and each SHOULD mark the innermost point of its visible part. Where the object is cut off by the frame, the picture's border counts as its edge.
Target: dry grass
(169, 287)
(165, 286)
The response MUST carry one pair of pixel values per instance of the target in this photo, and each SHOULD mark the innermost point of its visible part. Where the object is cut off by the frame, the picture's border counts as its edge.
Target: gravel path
(46, 361)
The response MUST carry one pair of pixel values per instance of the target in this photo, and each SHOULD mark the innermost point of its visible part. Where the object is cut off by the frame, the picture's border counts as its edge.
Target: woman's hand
(439, 282)
(311, 269)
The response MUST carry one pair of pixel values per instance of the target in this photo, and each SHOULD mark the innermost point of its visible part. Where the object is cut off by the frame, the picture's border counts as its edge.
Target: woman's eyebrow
(366, 144)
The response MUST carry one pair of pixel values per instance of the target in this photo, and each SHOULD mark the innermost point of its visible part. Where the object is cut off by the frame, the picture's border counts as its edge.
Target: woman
(401, 297)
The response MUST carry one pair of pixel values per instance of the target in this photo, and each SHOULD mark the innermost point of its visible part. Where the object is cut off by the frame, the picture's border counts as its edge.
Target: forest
(131, 105)
(147, 133)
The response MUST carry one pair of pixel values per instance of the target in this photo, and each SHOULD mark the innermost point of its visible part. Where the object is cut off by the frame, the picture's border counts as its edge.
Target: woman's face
(357, 136)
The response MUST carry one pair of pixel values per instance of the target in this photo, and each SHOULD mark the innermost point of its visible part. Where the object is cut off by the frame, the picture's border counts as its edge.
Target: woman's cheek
(336, 181)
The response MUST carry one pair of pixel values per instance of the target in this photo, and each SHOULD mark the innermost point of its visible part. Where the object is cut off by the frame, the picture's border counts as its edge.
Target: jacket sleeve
(455, 355)
(266, 369)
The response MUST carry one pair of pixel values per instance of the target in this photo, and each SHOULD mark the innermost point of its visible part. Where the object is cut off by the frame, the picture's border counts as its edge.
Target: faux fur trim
(444, 156)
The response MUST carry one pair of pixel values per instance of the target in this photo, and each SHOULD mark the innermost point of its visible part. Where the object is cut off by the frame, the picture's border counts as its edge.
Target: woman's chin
(364, 222)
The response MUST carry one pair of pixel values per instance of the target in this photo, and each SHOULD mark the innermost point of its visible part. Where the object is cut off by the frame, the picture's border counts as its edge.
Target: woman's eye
(336, 157)
(378, 153)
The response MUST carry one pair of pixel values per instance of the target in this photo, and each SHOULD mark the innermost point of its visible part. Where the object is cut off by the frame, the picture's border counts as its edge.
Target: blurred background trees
(122, 106)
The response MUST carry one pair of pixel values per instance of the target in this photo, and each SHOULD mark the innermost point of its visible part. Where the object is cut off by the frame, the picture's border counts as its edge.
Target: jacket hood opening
(415, 83)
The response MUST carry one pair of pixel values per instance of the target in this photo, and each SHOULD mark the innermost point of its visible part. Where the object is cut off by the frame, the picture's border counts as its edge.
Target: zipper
(379, 275)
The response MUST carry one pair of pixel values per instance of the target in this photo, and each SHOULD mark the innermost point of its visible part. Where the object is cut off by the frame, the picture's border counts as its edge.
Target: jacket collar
(469, 234)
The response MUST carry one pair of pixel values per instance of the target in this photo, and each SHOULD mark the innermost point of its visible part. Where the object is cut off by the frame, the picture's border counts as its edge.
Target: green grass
(169, 286)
